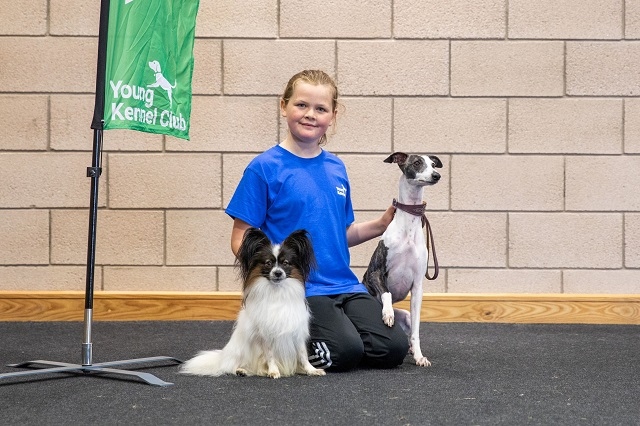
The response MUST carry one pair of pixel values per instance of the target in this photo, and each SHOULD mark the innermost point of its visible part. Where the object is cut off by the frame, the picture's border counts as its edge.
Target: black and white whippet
(399, 263)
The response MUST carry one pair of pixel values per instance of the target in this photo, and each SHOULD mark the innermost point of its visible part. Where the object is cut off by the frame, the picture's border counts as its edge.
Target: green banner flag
(149, 66)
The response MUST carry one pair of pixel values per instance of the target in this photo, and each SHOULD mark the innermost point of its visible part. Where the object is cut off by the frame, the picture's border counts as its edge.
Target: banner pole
(94, 173)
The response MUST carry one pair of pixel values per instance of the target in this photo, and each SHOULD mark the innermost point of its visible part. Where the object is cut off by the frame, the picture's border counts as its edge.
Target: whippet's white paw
(388, 316)
(423, 362)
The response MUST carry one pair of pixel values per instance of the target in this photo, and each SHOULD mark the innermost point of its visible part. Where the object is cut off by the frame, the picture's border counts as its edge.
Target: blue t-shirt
(280, 192)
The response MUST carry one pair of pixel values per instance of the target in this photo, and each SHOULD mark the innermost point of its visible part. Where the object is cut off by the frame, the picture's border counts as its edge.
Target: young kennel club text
(148, 114)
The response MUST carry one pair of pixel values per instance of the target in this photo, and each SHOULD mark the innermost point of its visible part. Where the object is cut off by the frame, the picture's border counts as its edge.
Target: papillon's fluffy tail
(206, 363)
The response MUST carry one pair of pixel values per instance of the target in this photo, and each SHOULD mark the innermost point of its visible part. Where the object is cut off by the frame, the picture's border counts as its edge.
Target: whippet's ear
(436, 161)
(397, 157)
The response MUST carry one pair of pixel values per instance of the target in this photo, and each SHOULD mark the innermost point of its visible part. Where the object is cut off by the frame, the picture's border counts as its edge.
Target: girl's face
(309, 112)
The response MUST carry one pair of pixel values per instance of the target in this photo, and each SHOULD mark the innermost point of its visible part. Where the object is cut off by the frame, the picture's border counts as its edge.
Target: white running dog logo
(162, 82)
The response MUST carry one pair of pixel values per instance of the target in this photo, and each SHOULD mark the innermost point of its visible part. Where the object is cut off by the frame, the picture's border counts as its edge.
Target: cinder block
(233, 168)
(632, 240)
(556, 126)
(504, 281)
(362, 125)
(507, 182)
(48, 64)
(449, 19)
(450, 125)
(231, 18)
(45, 278)
(197, 237)
(603, 183)
(29, 17)
(507, 68)
(23, 120)
(25, 237)
(84, 20)
(565, 240)
(71, 117)
(439, 285)
(122, 237)
(335, 19)
(474, 240)
(46, 180)
(603, 69)
(566, 19)
(164, 180)
(228, 279)
(632, 126)
(384, 187)
(159, 278)
(602, 282)
(279, 60)
(398, 67)
(207, 67)
(230, 123)
(632, 19)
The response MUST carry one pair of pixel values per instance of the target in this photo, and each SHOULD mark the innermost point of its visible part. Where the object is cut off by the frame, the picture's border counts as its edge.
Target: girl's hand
(358, 233)
(387, 217)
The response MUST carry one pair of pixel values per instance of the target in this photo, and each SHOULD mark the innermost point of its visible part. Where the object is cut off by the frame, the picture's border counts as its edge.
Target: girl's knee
(389, 353)
(398, 351)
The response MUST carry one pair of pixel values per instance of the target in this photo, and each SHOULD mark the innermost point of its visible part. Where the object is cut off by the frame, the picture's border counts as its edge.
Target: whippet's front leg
(416, 306)
(387, 309)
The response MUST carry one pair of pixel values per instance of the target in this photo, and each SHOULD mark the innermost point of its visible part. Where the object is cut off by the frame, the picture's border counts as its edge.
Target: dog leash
(419, 210)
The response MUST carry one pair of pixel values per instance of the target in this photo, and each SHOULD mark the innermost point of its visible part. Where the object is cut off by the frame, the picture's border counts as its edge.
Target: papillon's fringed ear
(253, 241)
(300, 243)
(397, 157)
(436, 161)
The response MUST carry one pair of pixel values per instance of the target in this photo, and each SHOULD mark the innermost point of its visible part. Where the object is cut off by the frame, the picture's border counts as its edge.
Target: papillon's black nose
(278, 273)
(435, 176)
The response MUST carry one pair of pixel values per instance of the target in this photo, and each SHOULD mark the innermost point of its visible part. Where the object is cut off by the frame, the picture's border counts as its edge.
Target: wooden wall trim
(176, 306)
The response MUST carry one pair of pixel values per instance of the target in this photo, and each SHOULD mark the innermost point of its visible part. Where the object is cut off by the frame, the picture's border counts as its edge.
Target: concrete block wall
(532, 106)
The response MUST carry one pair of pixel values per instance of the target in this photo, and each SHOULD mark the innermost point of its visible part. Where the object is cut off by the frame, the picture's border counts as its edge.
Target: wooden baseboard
(176, 306)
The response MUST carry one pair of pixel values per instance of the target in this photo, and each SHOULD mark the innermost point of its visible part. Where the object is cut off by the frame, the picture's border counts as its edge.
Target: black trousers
(347, 330)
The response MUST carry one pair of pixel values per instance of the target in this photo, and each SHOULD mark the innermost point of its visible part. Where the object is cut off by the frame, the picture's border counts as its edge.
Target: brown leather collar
(413, 209)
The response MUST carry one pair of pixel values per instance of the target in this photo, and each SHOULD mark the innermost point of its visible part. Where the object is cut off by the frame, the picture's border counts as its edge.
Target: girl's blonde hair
(315, 77)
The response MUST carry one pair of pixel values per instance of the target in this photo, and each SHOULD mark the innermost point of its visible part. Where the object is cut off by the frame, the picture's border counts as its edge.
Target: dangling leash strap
(419, 210)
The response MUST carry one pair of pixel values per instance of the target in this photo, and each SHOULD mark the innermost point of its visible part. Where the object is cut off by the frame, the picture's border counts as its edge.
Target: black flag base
(87, 367)
(100, 368)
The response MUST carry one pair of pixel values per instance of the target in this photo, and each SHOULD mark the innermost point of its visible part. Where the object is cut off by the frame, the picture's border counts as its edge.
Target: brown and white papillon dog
(270, 335)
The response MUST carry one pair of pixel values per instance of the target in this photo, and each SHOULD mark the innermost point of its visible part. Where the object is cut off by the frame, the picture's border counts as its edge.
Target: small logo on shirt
(342, 190)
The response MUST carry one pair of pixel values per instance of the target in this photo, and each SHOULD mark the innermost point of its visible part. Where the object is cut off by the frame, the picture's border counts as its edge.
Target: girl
(299, 185)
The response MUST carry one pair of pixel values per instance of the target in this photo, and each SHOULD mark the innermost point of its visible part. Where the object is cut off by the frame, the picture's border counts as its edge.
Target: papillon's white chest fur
(271, 332)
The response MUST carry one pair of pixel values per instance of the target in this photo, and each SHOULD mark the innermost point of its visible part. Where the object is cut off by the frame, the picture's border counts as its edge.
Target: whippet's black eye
(417, 163)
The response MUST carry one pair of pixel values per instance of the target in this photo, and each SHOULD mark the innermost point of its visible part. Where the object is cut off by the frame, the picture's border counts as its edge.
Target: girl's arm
(358, 233)
(237, 233)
